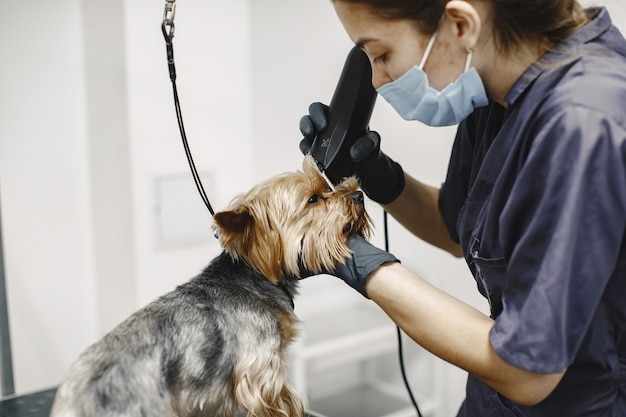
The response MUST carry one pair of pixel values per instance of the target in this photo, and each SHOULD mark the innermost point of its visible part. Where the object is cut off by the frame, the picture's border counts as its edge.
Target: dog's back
(212, 346)
(216, 345)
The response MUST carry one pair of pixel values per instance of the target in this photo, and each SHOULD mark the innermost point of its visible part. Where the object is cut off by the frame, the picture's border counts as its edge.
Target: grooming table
(38, 405)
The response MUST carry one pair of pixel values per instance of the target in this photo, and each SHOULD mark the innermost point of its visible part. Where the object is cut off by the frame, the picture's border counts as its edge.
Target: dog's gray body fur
(177, 356)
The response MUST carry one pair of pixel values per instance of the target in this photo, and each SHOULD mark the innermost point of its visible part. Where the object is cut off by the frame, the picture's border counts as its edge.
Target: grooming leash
(167, 27)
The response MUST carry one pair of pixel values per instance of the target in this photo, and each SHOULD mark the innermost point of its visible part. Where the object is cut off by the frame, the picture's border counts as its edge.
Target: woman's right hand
(381, 178)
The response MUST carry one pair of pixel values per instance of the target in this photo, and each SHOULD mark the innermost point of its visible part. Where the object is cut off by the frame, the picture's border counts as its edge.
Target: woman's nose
(380, 78)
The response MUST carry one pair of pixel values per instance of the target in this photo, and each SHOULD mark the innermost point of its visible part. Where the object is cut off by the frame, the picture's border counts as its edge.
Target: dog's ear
(233, 221)
(243, 237)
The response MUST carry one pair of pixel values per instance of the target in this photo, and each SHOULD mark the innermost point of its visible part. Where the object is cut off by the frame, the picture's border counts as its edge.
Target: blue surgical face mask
(413, 99)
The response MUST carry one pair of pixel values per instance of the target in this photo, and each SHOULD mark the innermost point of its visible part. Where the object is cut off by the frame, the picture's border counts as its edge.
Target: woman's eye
(381, 58)
(314, 199)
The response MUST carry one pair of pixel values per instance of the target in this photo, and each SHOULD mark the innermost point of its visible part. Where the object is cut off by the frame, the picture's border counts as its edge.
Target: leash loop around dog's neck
(167, 27)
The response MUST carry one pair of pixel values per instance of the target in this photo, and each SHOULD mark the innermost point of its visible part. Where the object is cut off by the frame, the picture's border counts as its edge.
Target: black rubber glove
(381, 178)
(366, 258)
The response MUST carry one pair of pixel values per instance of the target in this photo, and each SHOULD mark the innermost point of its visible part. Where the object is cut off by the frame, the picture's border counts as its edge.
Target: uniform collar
(600, 23)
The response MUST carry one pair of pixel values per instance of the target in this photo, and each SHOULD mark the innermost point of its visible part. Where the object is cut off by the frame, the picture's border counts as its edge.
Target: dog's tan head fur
(293, 221)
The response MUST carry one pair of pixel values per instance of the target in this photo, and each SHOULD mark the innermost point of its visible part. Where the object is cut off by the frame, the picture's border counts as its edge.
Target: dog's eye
(314, 199)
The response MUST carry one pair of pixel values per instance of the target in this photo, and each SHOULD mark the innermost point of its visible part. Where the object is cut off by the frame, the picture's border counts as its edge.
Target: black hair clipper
(348, 117)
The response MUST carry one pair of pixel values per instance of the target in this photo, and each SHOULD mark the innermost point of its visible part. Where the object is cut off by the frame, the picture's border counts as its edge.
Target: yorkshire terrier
(217, 345)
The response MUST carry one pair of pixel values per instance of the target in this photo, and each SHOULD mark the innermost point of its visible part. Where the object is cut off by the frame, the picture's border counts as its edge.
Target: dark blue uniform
(536, 195)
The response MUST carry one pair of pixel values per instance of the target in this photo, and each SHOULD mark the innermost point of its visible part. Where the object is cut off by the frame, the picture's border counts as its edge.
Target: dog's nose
(357, 196)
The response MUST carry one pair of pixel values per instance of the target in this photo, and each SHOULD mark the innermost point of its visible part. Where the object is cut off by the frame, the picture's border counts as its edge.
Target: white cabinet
(346, 362)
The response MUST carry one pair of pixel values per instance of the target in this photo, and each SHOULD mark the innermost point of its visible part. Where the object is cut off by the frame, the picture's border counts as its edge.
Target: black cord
(399, 331)
(167, 28)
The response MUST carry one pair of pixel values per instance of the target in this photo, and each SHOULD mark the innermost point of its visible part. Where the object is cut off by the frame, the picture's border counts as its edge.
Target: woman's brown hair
(514, 21)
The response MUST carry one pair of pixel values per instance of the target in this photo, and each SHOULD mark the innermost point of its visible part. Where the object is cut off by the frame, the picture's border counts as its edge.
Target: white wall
(87, 127)
(44, 187)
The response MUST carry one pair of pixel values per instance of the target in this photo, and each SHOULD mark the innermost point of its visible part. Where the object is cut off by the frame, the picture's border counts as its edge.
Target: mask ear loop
(468, 61)
(431, 42)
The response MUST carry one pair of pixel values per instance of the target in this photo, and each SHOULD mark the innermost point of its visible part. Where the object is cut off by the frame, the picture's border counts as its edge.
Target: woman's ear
(466, 22)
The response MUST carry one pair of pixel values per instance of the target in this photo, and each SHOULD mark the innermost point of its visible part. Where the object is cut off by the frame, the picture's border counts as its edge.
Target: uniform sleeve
(561, 232)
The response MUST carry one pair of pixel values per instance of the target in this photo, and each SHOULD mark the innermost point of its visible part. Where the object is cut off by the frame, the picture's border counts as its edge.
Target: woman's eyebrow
(361, 42)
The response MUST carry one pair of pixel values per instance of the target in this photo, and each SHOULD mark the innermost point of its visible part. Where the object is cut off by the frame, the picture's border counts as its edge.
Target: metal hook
(168, 18)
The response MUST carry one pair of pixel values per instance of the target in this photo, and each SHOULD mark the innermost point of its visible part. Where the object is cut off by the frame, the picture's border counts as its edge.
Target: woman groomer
(534, 199)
